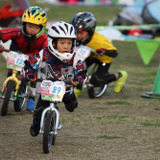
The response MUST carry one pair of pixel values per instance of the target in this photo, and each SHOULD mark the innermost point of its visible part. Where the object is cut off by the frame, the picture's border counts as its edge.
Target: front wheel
(49, 137)
(8, 94)
(21, 97)
(97, 92)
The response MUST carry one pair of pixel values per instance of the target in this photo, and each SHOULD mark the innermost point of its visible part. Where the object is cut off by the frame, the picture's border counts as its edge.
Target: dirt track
(115, 127)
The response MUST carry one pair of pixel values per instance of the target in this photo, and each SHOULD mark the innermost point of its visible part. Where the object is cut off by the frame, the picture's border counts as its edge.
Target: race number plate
(82, 52)
(52, 90)
(16, 61)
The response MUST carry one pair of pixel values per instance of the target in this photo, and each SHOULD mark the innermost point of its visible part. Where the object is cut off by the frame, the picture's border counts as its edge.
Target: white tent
(126, 2)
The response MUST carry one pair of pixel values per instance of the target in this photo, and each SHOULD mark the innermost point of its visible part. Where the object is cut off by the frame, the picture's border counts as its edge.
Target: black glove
(28, 65)
(31, 76)
(110, 53)
(101, 51)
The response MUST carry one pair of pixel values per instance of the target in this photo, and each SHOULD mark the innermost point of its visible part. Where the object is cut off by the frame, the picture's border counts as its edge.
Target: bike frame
(13, 77)
(52, 108)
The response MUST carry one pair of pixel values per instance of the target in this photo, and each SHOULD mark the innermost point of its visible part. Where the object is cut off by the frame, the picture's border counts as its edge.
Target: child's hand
(1, 48)
(100, 52)
(32, 80)
(32, 77)
(75, 83)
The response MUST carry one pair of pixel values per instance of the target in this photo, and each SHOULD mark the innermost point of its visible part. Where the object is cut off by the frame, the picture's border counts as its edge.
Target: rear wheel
(49, 137)
(21, 97)
(8, 94)
(97, 92)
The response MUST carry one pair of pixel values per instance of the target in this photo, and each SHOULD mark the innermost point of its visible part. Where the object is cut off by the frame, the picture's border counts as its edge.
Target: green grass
(109, 137)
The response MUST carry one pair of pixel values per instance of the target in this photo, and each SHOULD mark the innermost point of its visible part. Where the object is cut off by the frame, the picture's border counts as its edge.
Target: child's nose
(66, 45)
(33, 30)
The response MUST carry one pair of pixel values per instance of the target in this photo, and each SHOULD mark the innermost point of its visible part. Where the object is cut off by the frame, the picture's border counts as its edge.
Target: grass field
(120, 126)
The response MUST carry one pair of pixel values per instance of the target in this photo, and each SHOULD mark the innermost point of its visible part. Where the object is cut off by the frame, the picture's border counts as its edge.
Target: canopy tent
(143, 12)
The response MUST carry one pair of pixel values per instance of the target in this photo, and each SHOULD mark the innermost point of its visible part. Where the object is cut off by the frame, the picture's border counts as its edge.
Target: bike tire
(54, 123)
(19, 103)
(8, 93)
(97, 92)
(48, 137)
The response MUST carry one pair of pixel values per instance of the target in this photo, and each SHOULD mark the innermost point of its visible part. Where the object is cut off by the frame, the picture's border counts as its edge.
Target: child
(60, 56)
(85, 23)
(29, 39)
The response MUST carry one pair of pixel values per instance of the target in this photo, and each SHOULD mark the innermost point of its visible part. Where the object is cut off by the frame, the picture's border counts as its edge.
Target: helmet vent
(28, 13)
(62, 29)
(89, 20)
(55, 29)
(43, 15)
(66, 26)
(71, 30)
(33, 11)
(36, 14)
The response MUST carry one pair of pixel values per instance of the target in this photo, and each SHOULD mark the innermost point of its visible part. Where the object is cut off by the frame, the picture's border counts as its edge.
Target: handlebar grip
(2, 49)
(6, 50)
(39, 80)
(68, 82)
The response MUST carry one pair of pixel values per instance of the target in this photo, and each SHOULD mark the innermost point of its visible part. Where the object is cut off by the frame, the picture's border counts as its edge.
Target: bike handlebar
(2, 49)
(40, 80)
(6, 50)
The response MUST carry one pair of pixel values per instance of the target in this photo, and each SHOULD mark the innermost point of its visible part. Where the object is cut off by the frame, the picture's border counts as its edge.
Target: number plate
(83, 52)
(52, 90)
(16, 61)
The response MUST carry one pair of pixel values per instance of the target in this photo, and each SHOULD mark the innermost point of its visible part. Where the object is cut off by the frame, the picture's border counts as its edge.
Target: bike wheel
(21, 97)
(8, 93)
(97, 92)
(48, 137)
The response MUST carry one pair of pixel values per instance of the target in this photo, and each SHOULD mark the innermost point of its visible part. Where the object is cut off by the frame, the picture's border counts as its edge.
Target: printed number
(59, 90)
(56, 89)
(82, 52)
(19, 61)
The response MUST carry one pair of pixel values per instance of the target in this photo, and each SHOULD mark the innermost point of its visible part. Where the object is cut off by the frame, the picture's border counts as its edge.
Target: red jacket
(19, 42)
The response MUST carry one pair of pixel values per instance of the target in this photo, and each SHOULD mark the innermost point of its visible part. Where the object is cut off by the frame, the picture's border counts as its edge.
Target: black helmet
(84, 21)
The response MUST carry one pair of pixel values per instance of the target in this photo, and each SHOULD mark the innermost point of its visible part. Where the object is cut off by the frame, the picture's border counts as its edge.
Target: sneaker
(120, 83)
(30, 105)
(34, 130)
(78, 92)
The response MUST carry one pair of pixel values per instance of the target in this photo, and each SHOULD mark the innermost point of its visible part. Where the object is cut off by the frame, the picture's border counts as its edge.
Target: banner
(147, 49)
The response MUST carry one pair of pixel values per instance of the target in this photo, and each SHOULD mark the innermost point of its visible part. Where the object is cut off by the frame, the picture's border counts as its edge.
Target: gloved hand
(27, 64)
(1, 48)
(77, 82)
(31, 76)
(101, 51)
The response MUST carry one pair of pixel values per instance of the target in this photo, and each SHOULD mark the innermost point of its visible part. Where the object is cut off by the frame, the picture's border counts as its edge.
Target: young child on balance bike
(85, 24)
(60, 56)
(29, 39)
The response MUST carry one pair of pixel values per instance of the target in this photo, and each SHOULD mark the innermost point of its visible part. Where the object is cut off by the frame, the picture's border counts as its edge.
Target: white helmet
(61, 30)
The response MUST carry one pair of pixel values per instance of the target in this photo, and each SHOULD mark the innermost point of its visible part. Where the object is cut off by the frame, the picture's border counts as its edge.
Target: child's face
(64, 45)
(32, 29)
(82, 35)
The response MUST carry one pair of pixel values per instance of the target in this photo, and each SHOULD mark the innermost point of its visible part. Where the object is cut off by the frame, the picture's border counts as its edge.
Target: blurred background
(142, 17)
(57, 10)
